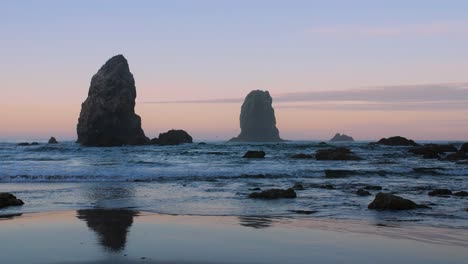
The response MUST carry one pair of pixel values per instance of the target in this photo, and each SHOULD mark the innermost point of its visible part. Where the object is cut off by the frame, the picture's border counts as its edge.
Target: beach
(127, 236)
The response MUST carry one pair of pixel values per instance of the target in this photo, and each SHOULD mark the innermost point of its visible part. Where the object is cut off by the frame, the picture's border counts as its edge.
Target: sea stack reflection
(107, 117)
(257, 119)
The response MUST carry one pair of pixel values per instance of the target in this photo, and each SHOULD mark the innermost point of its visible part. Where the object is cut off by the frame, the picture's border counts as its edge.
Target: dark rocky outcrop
(172, 137)
(341, 137)
(8, 199)
(274, 194)
(302, 156)
(460, 155)
(52, 140)
(27, 144)
(298, 187)
(464, 148)
(440, 192)
(253, 154)
(461, 194)
(362, 192)
(432, 151)
(257, 119)
(336, 154)
(107, 116)
(386, 201)
(396, 141)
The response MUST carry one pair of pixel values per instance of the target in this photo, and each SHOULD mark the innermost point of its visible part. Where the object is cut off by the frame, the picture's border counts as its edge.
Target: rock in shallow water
(461, 194)
(302, 156)
(107, 116)
(274, 194)
(362, 192)
(396, 141)
(386, 201)
(440, 192)
(253, 154)
(8, 199)
(172, 137)
(336, 154)
(257, 119)
(52, 140)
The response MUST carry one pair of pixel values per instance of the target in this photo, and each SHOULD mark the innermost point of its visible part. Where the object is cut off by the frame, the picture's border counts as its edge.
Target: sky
(367, 68)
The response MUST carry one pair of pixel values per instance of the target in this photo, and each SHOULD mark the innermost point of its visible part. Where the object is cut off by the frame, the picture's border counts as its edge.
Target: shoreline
(128, 236)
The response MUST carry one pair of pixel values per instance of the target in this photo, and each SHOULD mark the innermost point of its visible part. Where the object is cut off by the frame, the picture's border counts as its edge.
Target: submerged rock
(107, 116)
(386, 201)
(396, 141)
(274, 194)
(341, 137)
(302, 156)
(298, 187)
(461, 194)
(257, 119)
(172, 137)
(52, 140)
(432, 151)
(27, 144)
(440, 192)
(373, 187)
(8, 199)
(362, 192)
(336, 154)
(253, 154)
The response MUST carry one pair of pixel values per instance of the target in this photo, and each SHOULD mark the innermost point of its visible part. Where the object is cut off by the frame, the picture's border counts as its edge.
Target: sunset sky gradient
(370, 68)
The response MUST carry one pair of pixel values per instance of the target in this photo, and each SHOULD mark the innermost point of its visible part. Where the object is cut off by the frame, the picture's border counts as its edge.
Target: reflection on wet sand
(255, 221)
(111, 225)
(10, 216)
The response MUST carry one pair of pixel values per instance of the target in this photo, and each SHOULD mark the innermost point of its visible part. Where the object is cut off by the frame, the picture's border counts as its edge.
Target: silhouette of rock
(257, 119)
(8, 199)
(273, 194)
(52, 140)
(386, 201)
(302, 156)
(362, 192)
(253, 154)
(396, 141)
(461, 194)
(341, 137)
(373, 187)
(464, 147)
(172, 137)
(460, 155)
(432, 151)
(107, 116)
(336, 154)
(111, 225)
(440, 192)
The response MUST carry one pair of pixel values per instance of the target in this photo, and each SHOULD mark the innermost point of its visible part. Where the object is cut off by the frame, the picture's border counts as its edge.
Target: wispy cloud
(437, 97)
(421, 29)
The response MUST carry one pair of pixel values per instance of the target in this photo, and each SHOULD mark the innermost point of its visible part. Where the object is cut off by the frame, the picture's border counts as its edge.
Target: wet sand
(127, 236)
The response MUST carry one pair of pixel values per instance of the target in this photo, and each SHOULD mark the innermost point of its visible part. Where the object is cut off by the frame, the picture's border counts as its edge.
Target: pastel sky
(369, 68)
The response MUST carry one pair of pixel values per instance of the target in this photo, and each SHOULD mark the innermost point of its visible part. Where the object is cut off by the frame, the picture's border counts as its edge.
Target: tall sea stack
(107, 117)
(257, 119)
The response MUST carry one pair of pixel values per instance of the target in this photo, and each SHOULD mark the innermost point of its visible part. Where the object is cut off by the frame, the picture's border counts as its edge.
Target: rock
(373, 187)
(273, 194)
(172, 137)
(298, 187)
(327, 186)
(440, 192)
(107, 116)
(336, 154)
(432, 151)
(52, 140)
(461, 194)
(386, 201)
(252, 154)
(8, 199)
(34, 144)
(302, 156)
(257, 119)
(341, 137)
(464, 148)
(460, 155)
(202, 143)
(255, 189)
(27, 144)
(303, 211)
(396, 141)
(362, 192)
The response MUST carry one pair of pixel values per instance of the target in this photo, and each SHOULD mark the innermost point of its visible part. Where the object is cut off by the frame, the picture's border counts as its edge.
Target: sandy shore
(126, 236)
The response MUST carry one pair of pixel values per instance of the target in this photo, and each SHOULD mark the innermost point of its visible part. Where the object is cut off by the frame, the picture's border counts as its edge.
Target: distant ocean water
(214, 179)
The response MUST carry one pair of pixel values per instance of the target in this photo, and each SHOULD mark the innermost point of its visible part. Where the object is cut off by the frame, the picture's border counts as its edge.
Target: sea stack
(107, 117)
(257, 119)
(341, 137)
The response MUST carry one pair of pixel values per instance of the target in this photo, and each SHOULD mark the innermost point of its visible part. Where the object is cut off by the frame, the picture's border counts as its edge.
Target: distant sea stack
(257, 119)
(341, 137)
(107, 117)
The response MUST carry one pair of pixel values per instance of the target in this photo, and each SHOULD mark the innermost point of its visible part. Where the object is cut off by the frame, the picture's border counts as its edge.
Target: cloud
(421, 29)
(435, 97)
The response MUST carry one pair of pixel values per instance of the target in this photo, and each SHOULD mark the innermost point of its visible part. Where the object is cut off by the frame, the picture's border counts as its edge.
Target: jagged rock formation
(108, 116)
(172, 137)
(341, 137)
(257, 119)
(52, 140)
